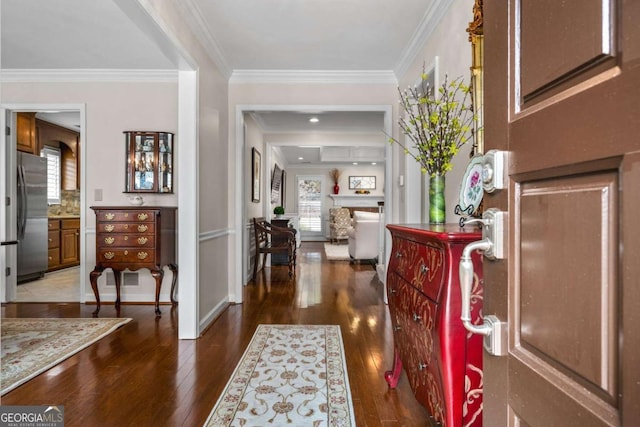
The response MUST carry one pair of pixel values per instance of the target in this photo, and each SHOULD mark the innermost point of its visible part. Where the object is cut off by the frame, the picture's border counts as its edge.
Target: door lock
(494, 170)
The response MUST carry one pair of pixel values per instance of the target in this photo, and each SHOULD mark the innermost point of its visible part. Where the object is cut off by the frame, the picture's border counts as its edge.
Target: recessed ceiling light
(314, 120)
(300, 158)
(355, 163)
(373, 163)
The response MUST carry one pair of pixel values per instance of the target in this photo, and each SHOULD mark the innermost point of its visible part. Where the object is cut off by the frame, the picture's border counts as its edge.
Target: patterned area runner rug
(337, 252)
(293, 375)
(31, 346)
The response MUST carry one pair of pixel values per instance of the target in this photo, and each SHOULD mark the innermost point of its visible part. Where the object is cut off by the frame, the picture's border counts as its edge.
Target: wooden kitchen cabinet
(133, 238)
(64, 243)
(54, 244)
(26, 133)
(442, 360)
(70, 241)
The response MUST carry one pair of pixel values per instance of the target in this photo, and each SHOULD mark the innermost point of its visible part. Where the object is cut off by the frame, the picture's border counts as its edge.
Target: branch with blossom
(437, 125)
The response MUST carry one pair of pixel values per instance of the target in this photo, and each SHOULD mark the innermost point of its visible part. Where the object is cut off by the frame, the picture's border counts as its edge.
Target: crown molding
(314, 76)
(86, 75)
(193, 15)
(429, 23)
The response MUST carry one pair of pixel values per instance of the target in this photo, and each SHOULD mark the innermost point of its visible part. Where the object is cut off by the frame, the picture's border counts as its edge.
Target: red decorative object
(336, 188)
(439, 355)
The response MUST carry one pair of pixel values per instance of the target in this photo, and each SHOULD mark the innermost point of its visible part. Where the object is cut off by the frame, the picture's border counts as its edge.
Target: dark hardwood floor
(143, 375)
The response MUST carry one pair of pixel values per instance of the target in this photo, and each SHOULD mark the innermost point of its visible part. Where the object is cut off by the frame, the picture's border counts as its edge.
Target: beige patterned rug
(337, 252)
(31, 346)
(293, 375)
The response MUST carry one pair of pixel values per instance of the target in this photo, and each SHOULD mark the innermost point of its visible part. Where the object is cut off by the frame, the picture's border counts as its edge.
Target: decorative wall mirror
(149, 167)
(476, 37)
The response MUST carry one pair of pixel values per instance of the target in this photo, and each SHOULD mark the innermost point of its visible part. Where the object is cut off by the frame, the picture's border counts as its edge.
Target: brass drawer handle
(109, 255)
(109, 216)
(126, 226)
(142, 228)
(142, 240)
(126, 237)
(142, 216)
(109, 240)
(142, 255)
(109, 228)
(126, 253)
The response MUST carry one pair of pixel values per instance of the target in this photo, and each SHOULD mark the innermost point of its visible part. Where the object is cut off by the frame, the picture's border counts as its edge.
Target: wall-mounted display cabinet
(149, 162)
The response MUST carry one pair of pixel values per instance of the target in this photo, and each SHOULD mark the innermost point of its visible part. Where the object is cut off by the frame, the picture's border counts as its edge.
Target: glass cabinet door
(149, 162)
(165, 163)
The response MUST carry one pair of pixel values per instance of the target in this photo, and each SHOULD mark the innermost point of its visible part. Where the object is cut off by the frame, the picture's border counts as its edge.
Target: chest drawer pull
(397, 328)
(109, 228)
(142, 240)
(416, 317)
(109, 240)
(423, 269)
(142, 228)
(398, 254)
(142, 255)
(109, 216)
(109, 255)
(393, 291)
(422, 366)
(142, 216)
(126, 237)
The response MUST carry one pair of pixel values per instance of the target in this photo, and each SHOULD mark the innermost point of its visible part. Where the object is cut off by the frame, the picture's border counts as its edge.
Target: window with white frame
(54, 161)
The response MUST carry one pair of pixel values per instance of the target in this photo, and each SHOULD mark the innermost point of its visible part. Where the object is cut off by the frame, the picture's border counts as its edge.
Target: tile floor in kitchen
(57, 286)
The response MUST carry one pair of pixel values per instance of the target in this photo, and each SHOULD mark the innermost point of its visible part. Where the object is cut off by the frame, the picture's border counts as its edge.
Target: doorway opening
(48, 209)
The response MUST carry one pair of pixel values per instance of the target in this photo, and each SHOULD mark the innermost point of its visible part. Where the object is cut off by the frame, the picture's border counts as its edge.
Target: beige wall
(212, 117)
(449, 42)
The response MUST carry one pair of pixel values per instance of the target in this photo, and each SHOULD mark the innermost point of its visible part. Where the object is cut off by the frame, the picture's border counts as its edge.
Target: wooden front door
(562, 96)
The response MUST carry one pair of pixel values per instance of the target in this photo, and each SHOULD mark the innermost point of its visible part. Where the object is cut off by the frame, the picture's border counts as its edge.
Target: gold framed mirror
(476, 37)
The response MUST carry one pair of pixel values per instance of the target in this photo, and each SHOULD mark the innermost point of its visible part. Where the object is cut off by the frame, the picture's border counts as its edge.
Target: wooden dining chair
(272, 239)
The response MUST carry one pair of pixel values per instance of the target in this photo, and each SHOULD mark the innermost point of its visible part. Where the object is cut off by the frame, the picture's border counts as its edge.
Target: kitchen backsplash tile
(69, 204)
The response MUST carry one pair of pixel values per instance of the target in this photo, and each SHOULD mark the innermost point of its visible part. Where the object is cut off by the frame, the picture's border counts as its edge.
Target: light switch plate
(97, 194)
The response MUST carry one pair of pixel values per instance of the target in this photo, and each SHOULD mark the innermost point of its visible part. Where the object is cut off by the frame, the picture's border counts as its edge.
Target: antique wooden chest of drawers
(442, 360)
(133, 238)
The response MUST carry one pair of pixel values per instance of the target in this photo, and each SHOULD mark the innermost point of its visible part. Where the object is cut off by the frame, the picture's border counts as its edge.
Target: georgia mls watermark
(32, 416)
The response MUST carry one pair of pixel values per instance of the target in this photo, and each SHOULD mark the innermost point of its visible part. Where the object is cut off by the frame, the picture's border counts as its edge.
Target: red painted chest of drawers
(442, 360)
(132, 238)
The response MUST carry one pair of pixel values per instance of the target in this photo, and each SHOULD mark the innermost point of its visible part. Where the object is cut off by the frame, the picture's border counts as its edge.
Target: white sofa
(363, 235)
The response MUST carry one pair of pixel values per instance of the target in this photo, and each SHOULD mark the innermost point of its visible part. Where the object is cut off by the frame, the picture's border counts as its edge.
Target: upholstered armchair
(364, 235)
(339, 223)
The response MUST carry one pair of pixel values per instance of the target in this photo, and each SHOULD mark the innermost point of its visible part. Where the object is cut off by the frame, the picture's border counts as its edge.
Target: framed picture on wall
(276, 184)
(256, 164)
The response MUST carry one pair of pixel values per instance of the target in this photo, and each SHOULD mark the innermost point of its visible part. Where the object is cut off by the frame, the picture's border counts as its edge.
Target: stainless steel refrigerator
(32, 217)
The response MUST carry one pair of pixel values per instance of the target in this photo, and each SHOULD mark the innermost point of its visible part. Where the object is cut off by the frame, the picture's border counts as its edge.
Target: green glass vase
(437, 208)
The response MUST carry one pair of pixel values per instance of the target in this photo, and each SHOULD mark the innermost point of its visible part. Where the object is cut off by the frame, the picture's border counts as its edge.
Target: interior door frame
(241, 249)
(8, 284)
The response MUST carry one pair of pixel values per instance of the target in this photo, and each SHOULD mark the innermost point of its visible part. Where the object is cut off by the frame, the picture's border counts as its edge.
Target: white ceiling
(246, 35)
